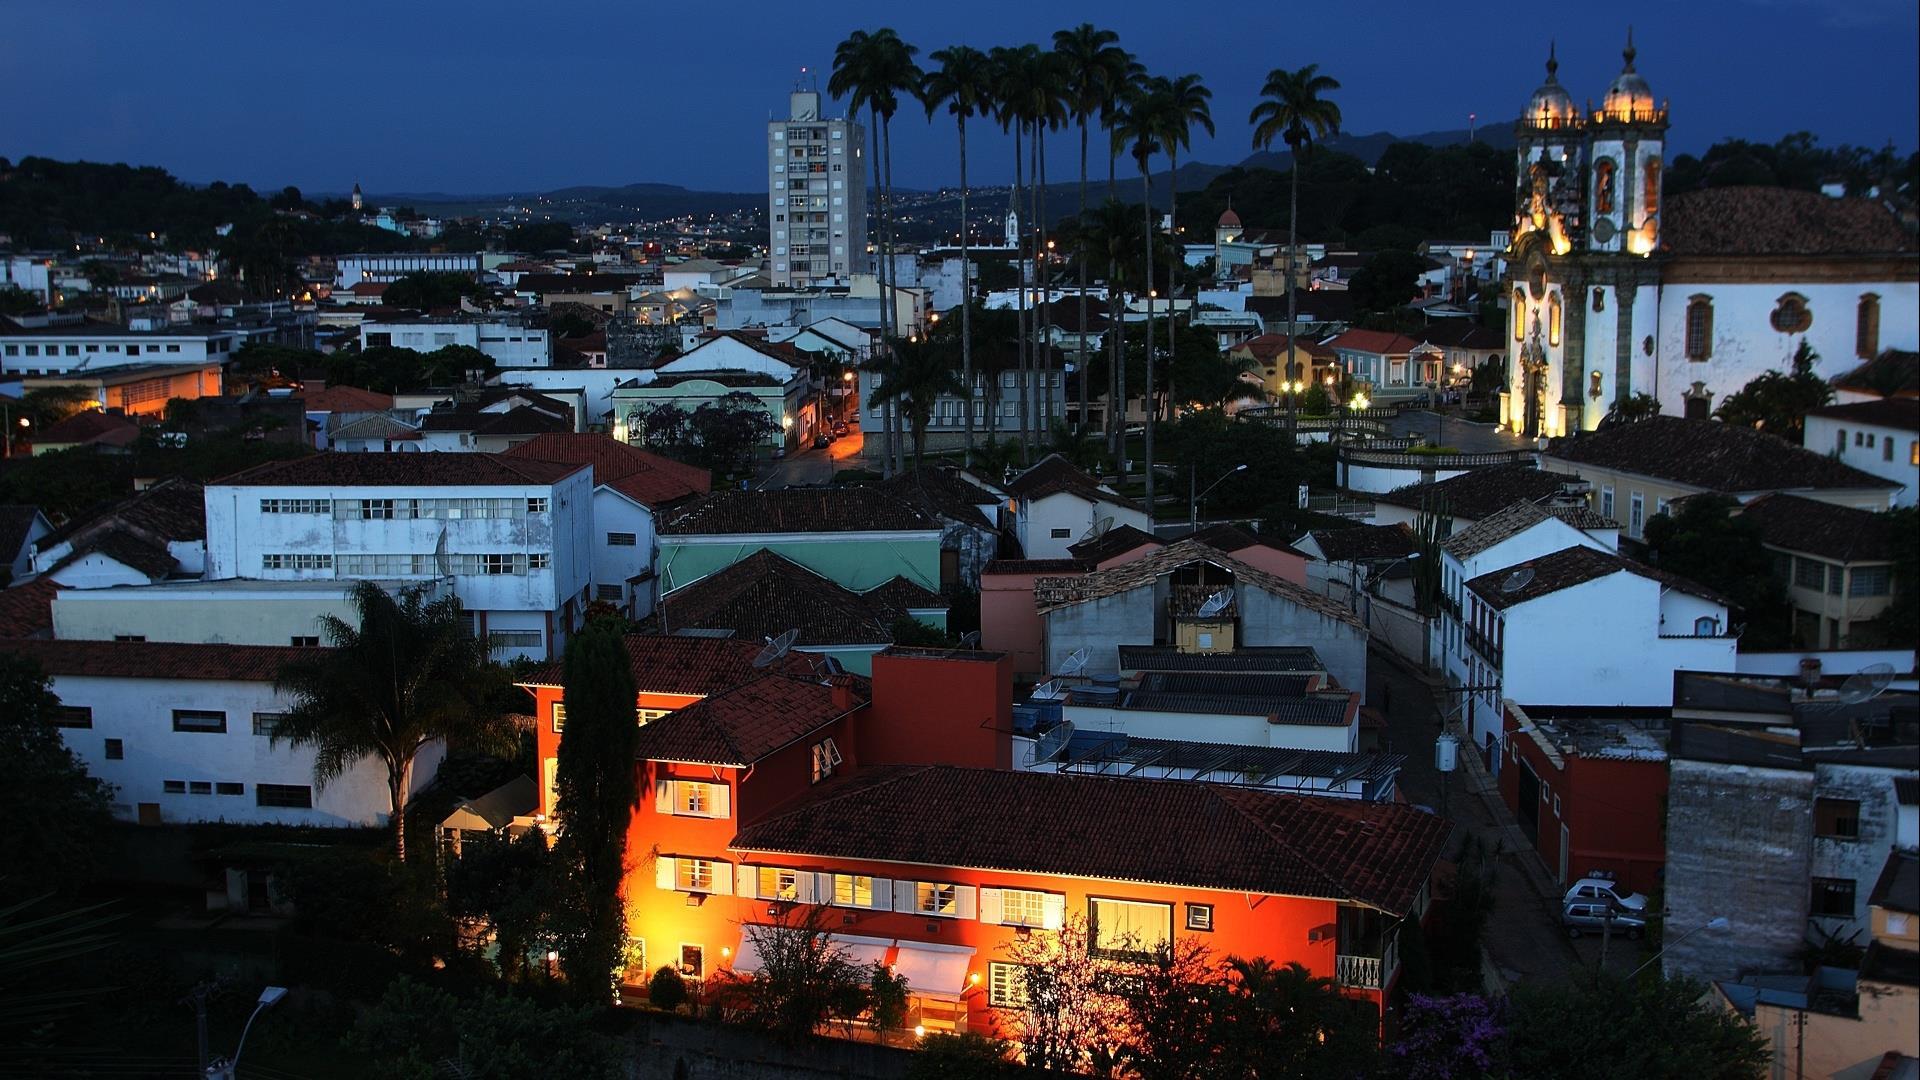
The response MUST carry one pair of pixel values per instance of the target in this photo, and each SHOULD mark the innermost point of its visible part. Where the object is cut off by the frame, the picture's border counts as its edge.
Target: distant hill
(585, 203)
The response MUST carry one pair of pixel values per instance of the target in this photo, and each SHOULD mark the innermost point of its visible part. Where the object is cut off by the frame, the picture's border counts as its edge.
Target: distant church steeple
(1013, 218)
(356, 197)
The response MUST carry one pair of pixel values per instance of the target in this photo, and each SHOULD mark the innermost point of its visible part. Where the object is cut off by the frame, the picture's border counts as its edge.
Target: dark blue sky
(482, 95)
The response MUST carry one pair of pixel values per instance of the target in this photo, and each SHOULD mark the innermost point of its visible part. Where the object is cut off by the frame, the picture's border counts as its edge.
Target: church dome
(1551, 106)
(1629, 98)
(1229, 220)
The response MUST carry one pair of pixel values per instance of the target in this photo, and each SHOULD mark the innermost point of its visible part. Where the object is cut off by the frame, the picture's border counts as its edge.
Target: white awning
(861, 951)
(746, 959)
(934, 969)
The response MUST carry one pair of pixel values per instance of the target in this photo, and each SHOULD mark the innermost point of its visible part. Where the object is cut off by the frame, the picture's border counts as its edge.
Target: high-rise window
(1866, 331)
(1699, 343)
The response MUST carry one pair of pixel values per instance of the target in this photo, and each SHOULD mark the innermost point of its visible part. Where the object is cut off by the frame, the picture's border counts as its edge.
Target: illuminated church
(1618, 290)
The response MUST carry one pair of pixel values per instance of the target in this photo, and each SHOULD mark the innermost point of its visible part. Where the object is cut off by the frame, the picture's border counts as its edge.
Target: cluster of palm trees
(1084, 83)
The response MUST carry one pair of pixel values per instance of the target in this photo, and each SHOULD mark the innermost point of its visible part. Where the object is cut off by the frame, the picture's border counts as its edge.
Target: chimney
(843, 698)
(1809, 671)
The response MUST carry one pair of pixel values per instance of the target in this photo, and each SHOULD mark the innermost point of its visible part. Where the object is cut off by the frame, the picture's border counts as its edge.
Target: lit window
(1006, 985)
(1128, 927)
(692, 799)
(935, 898)
(559, 717)
(852, 890)
(778, 884)
(1023, 907)
(826, 757)
(1200, 917)
(693, 875)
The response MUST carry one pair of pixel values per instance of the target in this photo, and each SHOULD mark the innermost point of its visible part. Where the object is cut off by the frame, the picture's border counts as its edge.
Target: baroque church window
(1553, 319)
(1651, 192)
(1699, 343)
(1519, 315)
(1866, 331)
(1603, 186)
(1791, 314)
(1599, 300)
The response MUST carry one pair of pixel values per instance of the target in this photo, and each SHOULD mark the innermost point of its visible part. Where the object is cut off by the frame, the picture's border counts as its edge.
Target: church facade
(1616, 289)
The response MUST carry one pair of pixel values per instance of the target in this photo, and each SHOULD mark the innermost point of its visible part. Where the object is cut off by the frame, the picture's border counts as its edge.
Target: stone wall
(1739, 846)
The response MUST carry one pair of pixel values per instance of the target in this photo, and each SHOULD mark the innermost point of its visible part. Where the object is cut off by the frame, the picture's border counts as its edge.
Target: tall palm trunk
(966, 304)
(1043, 329)
(892, 294)
(1080, 354)
(399, 777)
(1115, 341)
(880, 282)
(1146, 191)
(1293, 259)
(1020, 256)
(1173, 257)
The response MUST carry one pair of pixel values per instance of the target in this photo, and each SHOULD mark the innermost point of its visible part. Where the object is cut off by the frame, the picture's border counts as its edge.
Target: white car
(1590, 889)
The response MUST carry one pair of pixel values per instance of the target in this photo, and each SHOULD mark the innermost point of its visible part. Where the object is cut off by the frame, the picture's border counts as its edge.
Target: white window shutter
(663, 796)
(963, 899)
(902, 895)
(882, 894)
(721, 805)
(746, 882)
(723, 879)
(822, 888)
(663, 871)
(803, 887)
(1053, 911)
(990, 906)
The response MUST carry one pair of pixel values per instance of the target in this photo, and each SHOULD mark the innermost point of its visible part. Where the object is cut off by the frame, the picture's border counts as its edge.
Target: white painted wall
(82, 350)
(508, 343)
(1890, 454)
(1597, 644)
(1040, 519)
(617, 565)
(1213, 728)
(139, 712)
(232, 612)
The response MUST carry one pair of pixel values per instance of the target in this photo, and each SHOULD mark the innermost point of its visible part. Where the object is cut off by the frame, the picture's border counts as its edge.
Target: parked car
(822, 441)
(1590, 917)
(839, 427)
(1592, 888)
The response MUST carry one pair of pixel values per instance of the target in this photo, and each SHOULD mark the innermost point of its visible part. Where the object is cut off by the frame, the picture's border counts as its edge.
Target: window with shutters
(1699, 328)
(826, 757)
(852, 890)
(935, 898)
(693, 875)
(1006, 985)
(72, 716)
(559, 717)
(1023, 907)
(1200, 917)
(1127, 928)
(776, 883)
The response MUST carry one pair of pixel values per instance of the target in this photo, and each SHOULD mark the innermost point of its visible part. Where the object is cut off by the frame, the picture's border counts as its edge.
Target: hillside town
(1079, 625)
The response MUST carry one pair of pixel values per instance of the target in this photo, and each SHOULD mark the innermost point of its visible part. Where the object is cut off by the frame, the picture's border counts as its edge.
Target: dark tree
(595, 783)
(1388, 281)
(727, 431)
(56, 813)
(1711, 545)
(425, 291)
(1778, 402)
(1655, 1029)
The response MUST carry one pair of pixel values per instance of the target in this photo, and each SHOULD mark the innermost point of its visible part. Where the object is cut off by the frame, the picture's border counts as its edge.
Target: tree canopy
(1710, 544)
(55, 812)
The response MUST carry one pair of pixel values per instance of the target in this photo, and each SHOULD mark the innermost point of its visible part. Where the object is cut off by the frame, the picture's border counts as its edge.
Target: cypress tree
(596, 787)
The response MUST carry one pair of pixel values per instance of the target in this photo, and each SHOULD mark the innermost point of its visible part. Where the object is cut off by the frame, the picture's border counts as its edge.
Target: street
(1441, 429)
(810, 467)
(1524, 940)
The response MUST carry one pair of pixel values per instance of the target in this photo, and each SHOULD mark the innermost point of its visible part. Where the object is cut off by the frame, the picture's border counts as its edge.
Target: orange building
(887, 806)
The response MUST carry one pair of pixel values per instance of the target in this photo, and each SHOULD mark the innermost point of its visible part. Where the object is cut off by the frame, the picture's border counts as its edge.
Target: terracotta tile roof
(1269, 347)
(1580, 516)
(1052, 593)
(345, 399)
(1115, 541)
(1478, 492)
(798, 510)
(27, 610)
(1902, 413)
(158, 659)
(1572, 566)
(671, 664)
(1461, 334)
(941, 491)
(1053, 474)
(640, 475)
(898, 595)
(1365, 542)
(1380, 342)
(92, 426)
(740, 726)
(1711, 456)
(333, 469)
(764, 595)
(785, 352)
(577, 284)
(1230, 538)
(1841, 533)
(126, 549)
(1779, 221)
(1494, 528)
(373, 426)
(1037, 566)
(1169, 832)
(173, 509)
(1897, 369)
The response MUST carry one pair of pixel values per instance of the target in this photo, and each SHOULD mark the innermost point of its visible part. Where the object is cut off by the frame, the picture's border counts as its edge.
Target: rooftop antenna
(1054, 743)
(1866, 684)
(970, 639)
(1075, 660)
(1098, 529)
(777, 648)
(1215, 604)
(1517, 580)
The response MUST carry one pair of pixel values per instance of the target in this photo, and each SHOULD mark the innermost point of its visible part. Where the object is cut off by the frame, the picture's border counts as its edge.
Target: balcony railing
(1360, 972)
(1483, 645)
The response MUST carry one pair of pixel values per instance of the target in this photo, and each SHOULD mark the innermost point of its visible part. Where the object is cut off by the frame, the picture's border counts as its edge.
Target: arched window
(1519, 314)
(1791, 314)
(1553, 319)
(1603, 186)
(1706, 626)
(1866, 332)
(1652, 192)
(1699, 345)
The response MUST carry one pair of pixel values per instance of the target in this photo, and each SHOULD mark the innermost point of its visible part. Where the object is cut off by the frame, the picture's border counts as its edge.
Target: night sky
(484, 96)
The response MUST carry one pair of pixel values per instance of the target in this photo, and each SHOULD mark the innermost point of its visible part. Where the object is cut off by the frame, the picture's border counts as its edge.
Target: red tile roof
(92, 426)
(27, 610)
(1572, 566)
(1899, 413)
(1381, 342)
(860, 508)
(740, 726)
(670, 664)
(645, 477)
(1779, 221)
(765, 595)
(345, 399)
(1170, 832)
(157, 659)
(1270, 346)
(1054, 474)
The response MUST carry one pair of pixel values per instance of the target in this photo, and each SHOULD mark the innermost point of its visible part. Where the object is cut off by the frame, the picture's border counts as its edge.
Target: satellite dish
(1098, 529)
(1215, 604)
(1053, 744)
(1867, 683)
(1046, 691)
(776, 648)
(970, 639)
(1074, 662)
(1517, 580)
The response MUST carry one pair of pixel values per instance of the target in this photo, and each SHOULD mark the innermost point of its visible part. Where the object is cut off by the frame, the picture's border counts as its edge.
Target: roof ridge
(1222, 794)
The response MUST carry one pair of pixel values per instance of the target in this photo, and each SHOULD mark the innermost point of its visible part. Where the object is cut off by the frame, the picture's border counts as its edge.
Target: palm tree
(1186, 107)
(1127, 77)
(1292, 109)
(1111, 232)
(964, 84)
(1139, 128)
(874, 70)
(914, 377)
(1092, 64)
(409, 674)
(1012, 74)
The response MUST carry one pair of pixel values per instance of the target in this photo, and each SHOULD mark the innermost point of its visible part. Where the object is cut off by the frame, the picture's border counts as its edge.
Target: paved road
(1442, 429)
(811, 467)
(1524, 939)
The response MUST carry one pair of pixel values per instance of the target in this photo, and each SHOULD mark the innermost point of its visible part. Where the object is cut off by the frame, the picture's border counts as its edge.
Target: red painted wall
(1008, 622)
(1613, 811)
(936, 708)
(547, 741)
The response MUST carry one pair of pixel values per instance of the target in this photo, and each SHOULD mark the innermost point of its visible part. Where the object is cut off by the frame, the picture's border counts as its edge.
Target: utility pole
(197, 997)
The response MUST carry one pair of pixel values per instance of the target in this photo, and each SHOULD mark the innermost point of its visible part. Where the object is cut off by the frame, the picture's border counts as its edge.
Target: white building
(232, 611)
(1880, 437)
(351, 270)
(507, 340)
(28, 273)
(513, 536)
(1056, 504)
(183, 733)
(816, 194)
(57, 346)
(1617, 289)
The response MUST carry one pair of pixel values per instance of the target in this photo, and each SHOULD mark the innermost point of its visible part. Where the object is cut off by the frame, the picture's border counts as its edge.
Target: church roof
(1779, 221)
(1229, 220)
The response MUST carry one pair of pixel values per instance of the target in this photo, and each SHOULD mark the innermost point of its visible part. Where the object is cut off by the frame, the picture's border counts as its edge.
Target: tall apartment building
(816, 194)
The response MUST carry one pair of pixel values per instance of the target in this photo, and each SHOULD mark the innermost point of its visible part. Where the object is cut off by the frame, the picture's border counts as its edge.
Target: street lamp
(1718, 922)
(225, 1070)
(1193, 500)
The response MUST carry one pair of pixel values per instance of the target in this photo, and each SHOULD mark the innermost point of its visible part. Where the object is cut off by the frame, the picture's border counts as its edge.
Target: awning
(861, 951)
(746, 959)
(934, 969)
